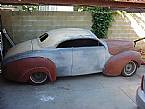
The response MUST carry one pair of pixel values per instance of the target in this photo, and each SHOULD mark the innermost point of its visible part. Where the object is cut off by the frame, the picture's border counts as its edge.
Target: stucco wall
(23, 26)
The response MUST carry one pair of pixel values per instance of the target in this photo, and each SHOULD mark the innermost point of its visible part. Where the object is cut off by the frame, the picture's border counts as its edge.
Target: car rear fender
(20, 70)
(29, 72)
(116, 63)
(41, 65)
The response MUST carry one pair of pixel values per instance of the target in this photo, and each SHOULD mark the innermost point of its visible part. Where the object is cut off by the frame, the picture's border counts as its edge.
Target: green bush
(29, 8)
(102, 19)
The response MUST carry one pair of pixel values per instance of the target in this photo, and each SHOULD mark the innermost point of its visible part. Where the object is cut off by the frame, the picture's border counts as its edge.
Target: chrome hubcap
(130, 68)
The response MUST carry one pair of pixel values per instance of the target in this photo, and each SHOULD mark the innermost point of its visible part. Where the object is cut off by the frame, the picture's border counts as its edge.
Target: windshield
(43, 37)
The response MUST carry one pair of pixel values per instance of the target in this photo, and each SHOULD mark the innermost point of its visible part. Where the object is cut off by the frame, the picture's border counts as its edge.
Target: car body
(69, 52)
(140, 95)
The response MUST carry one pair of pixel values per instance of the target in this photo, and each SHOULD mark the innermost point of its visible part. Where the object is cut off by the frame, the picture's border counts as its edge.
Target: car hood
(20, 48)
(117, 46)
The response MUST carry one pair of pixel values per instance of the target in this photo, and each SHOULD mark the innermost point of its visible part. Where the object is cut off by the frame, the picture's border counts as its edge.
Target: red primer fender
(116, 63)
(21, 70)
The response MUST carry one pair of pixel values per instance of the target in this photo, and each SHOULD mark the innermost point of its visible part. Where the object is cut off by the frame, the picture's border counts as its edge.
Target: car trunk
(20, 48)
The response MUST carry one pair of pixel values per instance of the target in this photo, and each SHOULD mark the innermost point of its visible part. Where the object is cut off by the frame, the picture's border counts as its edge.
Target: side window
(43, 37)
(79, 43)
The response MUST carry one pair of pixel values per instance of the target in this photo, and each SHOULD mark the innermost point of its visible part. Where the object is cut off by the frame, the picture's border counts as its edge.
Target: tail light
(142, 83)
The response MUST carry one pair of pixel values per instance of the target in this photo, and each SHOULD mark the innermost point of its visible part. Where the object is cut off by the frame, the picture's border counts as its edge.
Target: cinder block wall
(121, 29)
(23, 26)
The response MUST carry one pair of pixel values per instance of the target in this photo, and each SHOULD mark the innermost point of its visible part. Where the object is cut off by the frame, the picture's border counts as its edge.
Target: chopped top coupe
(69, 52)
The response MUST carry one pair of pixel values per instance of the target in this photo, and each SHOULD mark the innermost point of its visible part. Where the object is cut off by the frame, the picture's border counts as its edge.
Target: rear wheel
(38, 77)
(129, 69)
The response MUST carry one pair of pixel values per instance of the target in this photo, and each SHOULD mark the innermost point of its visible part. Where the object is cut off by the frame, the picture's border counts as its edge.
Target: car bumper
(140, 98)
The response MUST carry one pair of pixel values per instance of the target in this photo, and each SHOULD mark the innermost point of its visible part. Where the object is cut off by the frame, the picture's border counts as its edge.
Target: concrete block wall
(23, 26)
(121, 29)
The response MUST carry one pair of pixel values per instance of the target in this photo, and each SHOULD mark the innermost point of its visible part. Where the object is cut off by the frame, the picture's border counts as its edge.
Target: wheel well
(44, 80)
(136, 63)
(39, 69)
(48, 74)
(41, 72)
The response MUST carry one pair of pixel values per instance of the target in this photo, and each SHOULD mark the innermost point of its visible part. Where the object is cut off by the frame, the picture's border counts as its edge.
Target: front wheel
(38, 77)
(129, 69)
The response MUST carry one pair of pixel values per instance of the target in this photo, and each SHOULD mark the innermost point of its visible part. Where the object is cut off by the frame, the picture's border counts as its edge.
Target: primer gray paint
(68, 61)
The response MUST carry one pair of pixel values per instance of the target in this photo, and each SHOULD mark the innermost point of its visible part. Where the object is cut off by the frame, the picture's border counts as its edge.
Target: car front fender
(116, 63)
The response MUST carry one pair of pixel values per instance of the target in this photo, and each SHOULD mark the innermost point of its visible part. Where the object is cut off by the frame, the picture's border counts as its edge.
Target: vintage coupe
(69, 52)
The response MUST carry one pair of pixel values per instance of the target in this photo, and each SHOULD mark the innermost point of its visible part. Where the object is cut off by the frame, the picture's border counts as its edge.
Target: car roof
(57, 36)
(68, 32)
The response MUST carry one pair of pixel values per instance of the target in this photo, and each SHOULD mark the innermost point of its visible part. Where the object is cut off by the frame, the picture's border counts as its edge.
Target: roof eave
(102, 3)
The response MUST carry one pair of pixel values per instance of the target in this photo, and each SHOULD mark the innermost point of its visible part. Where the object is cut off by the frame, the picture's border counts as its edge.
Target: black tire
(129, 69)
(38, 77)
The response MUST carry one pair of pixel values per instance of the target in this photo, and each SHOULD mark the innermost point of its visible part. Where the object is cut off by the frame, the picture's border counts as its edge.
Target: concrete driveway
(82, 92)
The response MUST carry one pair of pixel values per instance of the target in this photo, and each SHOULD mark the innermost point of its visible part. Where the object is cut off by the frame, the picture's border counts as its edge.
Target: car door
(88, 57)
(62, 57)
(59, 53)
